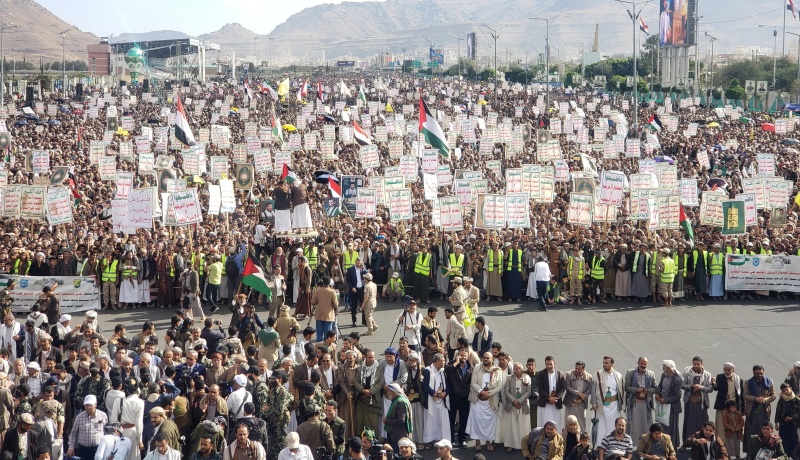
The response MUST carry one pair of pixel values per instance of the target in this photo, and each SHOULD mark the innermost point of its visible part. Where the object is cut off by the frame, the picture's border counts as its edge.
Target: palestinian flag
(361, 95)
(265, 88)
(359, 134)
(687, 227)
(253, 276)
(182, 129)
(431, 130)
(654, 122)
(277, 132)
(287, 174)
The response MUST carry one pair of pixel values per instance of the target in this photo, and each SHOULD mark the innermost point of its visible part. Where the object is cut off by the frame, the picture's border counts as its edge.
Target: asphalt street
(756, 332)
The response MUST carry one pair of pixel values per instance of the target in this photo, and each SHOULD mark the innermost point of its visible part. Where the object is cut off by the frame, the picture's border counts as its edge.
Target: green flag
(733, 217)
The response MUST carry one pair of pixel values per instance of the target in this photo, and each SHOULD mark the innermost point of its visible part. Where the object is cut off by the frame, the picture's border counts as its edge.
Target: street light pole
(547, 57)
(270, 51)
(495, 35)
(798, 62)
(63, 62)
(775, 58)
(711, 83)
(634, 15)
(458, 50)
(3, 28)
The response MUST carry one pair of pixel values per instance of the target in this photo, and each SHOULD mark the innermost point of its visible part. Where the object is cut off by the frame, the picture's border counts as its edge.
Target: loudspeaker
(185, 83)
(146, 85)
(168, 85)
(79, 91)
(29, 93)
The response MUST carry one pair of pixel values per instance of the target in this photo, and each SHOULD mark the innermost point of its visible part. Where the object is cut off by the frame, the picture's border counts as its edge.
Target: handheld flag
(792, 6)
(687, 226)
(253, 276)
(283, 88)
(431, 130)
(319, 91)
(361, 96)
(182, 129)
(265, 88)
(359, 134)
(335, 187)
(277, 132)
(247, 91)
(287, 174)
(642, 26)
(654, 122)
(302, 92)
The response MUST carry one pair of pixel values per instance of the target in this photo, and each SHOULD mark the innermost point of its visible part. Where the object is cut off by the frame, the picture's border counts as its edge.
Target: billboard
(472, 42)
(345, 63)
(437, 55)
(676, 23)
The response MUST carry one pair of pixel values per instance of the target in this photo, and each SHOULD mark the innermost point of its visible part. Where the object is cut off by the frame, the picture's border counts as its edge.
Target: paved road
(760, 331)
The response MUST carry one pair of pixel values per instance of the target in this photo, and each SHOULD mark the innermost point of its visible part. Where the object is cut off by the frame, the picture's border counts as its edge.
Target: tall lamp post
(495, 35)
(458, 50)
(63, 62)
(270, 51)
(3, 28)
(547, 56)
(711, 82)
(798, 61)
(634, 15)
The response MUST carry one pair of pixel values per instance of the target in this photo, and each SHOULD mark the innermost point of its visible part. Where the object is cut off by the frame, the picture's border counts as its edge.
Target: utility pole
(495, 35)
(63, 62)
(3, 28)
(547, 56)
(458, 50)
(270, 51)
(775, 56)
(798, 61)
(711, 83)
(634, 15)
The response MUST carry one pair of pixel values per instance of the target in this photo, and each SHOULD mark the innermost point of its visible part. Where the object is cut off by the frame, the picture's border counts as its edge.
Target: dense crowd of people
(269, 388)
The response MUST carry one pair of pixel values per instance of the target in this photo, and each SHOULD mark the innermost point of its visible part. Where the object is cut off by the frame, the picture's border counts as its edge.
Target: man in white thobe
(551, 385)
(132, 417)
(610, 392)
(10, 331)
(437, 401)
(484, 398)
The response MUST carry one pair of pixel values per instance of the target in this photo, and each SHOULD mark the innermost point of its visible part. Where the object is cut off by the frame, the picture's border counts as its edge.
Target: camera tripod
(407, 301)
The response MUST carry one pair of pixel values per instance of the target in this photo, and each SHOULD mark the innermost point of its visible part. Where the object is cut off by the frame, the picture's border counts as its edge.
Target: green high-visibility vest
(519, 260)
(16, 268)
(350, 259)
(311, 255)
(598, 272)
(492, 264)
(423, 264)
(200, 267)
(668, 275)
(685, 262)
(580, 269)
(715, 263)
(110, 272)
(456, 264)
(224, 259)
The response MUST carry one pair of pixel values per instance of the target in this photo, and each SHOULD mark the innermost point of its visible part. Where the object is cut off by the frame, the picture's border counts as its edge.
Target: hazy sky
(194, 17)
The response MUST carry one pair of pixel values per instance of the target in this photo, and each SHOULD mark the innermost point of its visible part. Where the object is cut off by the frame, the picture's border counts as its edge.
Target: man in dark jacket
(706, 445)
(551, 384)
(459, 376)
(398, 417)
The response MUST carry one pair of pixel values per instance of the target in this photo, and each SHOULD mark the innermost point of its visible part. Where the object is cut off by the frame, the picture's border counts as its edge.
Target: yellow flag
(389, 108)
(752, 134)
(797, 199)
(283, 88)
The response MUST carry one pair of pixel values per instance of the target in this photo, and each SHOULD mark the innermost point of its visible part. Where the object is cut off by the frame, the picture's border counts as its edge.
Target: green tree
(735, 90)
(615, 83)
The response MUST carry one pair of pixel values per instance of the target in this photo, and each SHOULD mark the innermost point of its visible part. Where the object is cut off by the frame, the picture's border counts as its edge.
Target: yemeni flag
(431, 130)
(359, 134)
(182, 129)
(642, 26)
(288, 175)
(654, 122)
(320, 96)
(253, 276)
(247, 91)
(687, 227)
(335, 187)
(792, 6)
(266, 88)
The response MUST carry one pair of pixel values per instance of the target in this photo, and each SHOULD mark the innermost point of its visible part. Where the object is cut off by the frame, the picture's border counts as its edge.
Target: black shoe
(214, 308)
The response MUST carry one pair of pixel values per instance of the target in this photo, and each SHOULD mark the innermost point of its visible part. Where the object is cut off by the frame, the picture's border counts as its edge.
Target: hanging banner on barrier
(77, 293)
(762, 273)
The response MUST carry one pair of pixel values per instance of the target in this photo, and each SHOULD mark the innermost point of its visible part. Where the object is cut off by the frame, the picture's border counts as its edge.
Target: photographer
(211, 336)
(248, 326)
(315, 434)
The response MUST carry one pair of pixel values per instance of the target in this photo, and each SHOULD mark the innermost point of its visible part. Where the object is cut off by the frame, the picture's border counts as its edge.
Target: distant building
(99, 61)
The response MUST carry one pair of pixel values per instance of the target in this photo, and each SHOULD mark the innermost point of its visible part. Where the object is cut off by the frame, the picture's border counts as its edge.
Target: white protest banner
(463, 191)
(400, 205)
(611, 188)
(430, 161)
(711, 209)
(12, 195)
(191, 163)
(4, 177)
(367, 203)
(430, 186)
(444, 176)
(688, 192)
(282, 158)
(227, 196)
(408, 168)
(667, 176)
(669, 208)
(378, 183)
(59, 206)
(124, 182)
(702, 159)
(186, 207)
(490, 211)
(514, 180)
(647, 166)
(262, 160)
(370, 159)
(518, 210)
(450, 214)
(119, 217)
(757, 188)
(561, 170)
(107, 167)
(633, 148)
(395, 148)
(214, 199)
(75, 293)
(393, 182)
(750, 209)
(778, 192)
(547, 189)
(140, 208)
(41, 161)
(147, 163)
(766, 164)
(762, 272)
(219, 167)
(32, 202)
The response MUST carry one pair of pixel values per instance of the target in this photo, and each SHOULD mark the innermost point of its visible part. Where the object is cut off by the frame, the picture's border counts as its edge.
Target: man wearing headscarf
(728, 386)
(390, 370)
(482, 421)
(368, 385)
(397, 422)
(668, 399)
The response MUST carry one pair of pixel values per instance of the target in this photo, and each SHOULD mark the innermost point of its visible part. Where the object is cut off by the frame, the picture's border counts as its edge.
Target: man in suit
(551, 384)
(728, 386)
(355, 287)
(390, 370)
(302, 371)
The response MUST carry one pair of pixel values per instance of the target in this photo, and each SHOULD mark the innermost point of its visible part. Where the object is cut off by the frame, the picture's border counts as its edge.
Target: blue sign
(345, 63)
